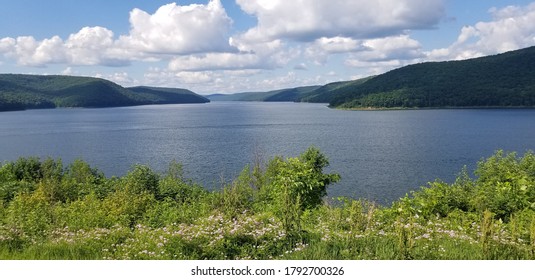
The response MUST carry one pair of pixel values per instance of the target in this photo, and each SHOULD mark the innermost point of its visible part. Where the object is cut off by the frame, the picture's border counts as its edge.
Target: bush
(238, 196)
(9, 190)
(173, 185)
(85, 213)
(505, 184)
(127, 208)
(295, 185)
(80, 180)
(141, 179)
(31, 214)
(28, 169)
(300, 177)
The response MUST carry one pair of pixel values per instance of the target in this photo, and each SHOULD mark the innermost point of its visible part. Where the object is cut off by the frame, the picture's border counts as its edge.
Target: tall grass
(269, 212)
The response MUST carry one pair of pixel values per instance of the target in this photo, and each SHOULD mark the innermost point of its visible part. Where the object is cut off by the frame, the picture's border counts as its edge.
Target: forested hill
(281, 95)
(159, 95)
(504, 80)
(19, 92)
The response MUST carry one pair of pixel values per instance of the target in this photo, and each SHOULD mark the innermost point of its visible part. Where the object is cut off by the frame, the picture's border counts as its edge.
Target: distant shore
(430, 108)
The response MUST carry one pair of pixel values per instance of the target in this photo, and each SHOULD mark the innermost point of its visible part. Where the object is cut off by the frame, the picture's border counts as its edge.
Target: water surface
(381, 155)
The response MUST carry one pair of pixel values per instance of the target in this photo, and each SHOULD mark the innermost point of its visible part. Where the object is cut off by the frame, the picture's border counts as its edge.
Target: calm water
(381, 155)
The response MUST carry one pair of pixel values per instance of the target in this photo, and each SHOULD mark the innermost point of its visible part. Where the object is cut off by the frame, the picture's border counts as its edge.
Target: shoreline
(430, 108)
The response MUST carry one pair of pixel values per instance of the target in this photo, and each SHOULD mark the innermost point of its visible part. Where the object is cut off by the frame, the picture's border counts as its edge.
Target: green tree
(295, 185)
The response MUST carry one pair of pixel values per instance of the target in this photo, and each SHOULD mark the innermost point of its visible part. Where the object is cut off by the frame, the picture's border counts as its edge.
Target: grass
(167, 217)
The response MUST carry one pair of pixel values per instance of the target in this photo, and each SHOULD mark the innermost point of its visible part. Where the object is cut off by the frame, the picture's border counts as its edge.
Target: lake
(380, 155)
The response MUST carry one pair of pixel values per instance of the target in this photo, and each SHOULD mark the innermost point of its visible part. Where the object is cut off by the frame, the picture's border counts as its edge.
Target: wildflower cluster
(212, 237)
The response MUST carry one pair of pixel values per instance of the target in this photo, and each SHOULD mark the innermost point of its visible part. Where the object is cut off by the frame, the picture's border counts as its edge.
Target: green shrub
(8, 190)
(31, 214)
(505, 184)
(174, 185)
(127, 208)
(80, 180)
(141, 179)
(28, 169)
(295, 185)
(85, 213)
(238, 196)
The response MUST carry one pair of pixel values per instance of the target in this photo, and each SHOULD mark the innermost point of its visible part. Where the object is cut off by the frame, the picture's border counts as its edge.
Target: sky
(229, 46)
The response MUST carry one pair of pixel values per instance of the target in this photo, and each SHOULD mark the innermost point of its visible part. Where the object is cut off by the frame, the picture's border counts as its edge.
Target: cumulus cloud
(368, 30)
(89, 46)
(7, 45)
(323, 47)
(93, 46)
(121, 78)
(217, 61)
(171, 30)
(400, 47)
(338, 45)
(308, 20)
(250, 55)
(384, 54)
(511, 28)
(301, 66)
(175, 29)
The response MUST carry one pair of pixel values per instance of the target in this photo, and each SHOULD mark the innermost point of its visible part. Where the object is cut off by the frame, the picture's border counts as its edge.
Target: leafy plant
(272, 212)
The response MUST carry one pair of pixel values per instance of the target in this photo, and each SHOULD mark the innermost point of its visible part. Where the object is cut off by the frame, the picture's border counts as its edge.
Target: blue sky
(226, 46)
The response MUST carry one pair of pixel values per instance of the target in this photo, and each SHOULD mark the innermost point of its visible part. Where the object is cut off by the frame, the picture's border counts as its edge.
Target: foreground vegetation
(273, 210)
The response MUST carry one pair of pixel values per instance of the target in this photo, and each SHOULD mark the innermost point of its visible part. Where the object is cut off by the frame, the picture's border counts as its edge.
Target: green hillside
(241, 96)
(168, 95)
(281, 95)
(504, 80)
(328, 92)
(20, 92)
(292, 94)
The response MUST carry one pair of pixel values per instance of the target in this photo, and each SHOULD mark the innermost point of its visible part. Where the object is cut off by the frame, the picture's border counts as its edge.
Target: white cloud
(301, 66)
(185, 79)
(92, 46)
(27, 51)
(323, 47)
(380, 55)
(308, 20)
(89, 46)
(175, 29)
(380, 66)
(171, 30)
(338, 45)
(7, 45)
(511, 28)
(24, 50)
(67, 71)
(122, 78)
(229, 81)
(400, 47)
(251, 55)
(215, 61)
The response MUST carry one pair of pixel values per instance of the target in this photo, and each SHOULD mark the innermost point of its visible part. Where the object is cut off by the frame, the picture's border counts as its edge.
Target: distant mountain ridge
(20, 92)
(503, 80)
(284, 95)
(162, 95)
